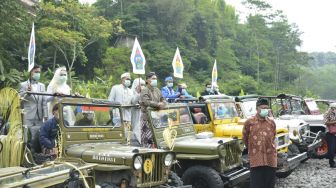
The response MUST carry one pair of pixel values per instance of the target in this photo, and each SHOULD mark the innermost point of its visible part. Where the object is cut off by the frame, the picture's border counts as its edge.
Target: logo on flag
(214, 75)
(138, 59)
(31, 50)
(178, 64)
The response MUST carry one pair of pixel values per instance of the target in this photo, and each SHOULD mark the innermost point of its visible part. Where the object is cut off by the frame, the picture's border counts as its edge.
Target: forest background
(259, 56)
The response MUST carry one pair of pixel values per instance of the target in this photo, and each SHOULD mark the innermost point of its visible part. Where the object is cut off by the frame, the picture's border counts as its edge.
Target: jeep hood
(193, 145)
(108, 153)
(311, 119)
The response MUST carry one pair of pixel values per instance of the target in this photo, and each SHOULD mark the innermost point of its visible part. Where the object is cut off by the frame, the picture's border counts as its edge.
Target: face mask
(36, 76)
(127, 83)
(170, 84)
(263, 113)
(153, 83)
(183, 91)
(63, 79)
(208, 89)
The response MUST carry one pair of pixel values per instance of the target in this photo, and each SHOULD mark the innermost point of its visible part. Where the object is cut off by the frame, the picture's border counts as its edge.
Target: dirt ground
(313, 173)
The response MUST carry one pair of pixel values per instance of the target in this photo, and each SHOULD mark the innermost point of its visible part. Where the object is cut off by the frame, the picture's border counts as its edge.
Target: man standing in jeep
(258, 135)
(150, 97)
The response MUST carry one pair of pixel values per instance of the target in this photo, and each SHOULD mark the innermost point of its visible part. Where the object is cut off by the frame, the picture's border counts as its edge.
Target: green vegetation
(94, 42)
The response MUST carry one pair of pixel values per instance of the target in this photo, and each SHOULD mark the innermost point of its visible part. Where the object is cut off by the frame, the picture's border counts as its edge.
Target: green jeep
(203, 160)
(52, 174)
(103, 142)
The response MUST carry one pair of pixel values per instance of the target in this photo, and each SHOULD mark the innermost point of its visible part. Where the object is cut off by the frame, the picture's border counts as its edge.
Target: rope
(60, 142)
(10, 110)
(129, 133)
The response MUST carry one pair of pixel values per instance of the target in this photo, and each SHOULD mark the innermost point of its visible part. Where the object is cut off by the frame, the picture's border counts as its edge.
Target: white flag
(138, 59)
(214, 75)
(178, 64)
(31, 50)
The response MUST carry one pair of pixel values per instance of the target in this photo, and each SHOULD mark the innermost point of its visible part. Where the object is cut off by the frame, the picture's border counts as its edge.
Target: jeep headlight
(137, 164)
(221, 150)
(168, 160)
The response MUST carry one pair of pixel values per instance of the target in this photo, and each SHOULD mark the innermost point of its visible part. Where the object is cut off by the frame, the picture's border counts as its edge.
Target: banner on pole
(31, 50)
(178, 64)
(138, 59)
(214, 75)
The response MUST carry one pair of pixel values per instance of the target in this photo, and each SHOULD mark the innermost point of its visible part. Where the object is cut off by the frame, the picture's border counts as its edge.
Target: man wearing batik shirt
(258, 135)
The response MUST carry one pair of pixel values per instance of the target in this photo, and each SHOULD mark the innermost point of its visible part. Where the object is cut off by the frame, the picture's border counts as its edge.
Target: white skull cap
(126, 74)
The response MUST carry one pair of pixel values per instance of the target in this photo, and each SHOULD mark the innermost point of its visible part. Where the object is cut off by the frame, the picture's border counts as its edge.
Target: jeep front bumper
(237, 176)
(310, 143)
(286, 164)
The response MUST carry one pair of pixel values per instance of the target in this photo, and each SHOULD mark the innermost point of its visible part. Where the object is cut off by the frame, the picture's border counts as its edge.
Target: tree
(70, 28)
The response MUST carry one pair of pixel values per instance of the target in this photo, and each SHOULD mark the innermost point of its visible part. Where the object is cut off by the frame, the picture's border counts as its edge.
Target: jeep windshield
(174, 117)
(91, 116)
(224, 110)
(249, 108)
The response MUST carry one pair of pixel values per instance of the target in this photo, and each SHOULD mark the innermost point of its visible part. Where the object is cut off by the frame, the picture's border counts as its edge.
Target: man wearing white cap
(122, 94)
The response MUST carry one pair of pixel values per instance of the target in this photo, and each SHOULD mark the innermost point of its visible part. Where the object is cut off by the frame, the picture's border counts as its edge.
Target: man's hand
(161, 105)
(54, 151)
(29, 88)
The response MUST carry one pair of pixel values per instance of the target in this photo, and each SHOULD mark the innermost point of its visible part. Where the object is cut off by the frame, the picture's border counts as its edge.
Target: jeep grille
(157, 176)
(233, 154)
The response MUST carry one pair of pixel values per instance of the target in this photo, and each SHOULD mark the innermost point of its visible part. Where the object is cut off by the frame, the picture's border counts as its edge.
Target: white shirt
(123, 95)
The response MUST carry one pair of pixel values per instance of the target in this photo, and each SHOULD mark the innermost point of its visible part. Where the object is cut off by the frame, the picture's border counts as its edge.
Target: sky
(315, 18)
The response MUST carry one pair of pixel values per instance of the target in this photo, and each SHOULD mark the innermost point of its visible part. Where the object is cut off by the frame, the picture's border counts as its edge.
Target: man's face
(36, 70)
(152, 78)
(56, 114)
(125, 78)
(262, 107)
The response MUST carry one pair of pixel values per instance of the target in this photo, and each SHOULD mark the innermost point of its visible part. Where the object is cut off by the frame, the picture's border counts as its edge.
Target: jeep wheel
(202, 176)
(284, 174)
(322, 151)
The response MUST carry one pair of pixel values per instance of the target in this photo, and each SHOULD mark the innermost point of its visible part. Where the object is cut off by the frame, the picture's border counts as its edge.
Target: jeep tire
(202, 176)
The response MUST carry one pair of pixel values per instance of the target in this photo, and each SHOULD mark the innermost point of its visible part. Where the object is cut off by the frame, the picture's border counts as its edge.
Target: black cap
(149, 75)
(262, 101)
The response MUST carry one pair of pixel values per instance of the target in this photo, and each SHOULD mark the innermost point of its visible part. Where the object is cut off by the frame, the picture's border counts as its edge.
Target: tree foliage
(257, 56)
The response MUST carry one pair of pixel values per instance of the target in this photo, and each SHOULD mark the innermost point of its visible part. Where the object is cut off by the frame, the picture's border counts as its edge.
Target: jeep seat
(199, 116)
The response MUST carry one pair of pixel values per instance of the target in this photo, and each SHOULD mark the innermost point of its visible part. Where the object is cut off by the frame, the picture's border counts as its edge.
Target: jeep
(287, 107)
(203, 160)
(52, 175)
(103, 142)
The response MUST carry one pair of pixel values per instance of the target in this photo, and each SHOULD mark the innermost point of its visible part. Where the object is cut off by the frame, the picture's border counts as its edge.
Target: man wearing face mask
(208, 90)
(122, 94)
(48, 133)
(330, 122)
(258, 135)
(168, 92)
(150, 96)
(34, 106)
